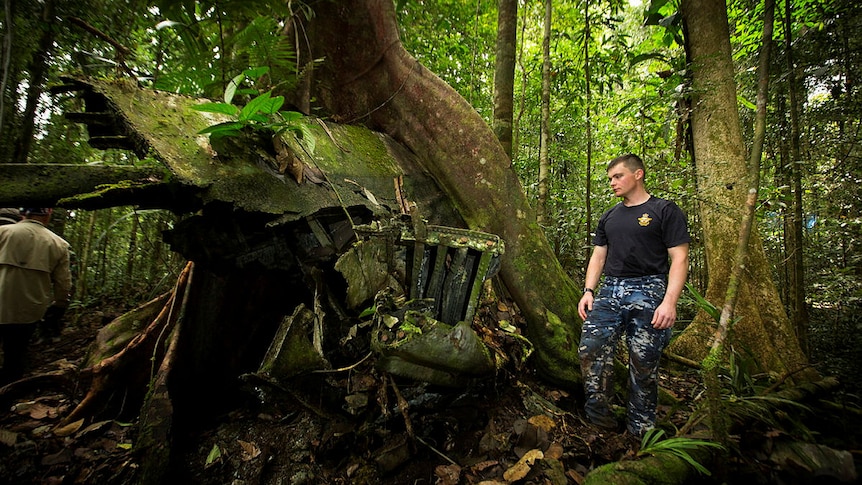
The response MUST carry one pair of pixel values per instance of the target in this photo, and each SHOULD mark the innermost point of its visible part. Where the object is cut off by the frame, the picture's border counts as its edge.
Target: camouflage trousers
(624, 306)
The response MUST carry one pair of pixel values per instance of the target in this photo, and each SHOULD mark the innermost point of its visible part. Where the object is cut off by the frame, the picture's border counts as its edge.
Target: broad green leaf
(290, 116)
(275, 105)
(232, 86)
(222, 127)
(256, 72)
(214, 454)
(745, 102)
(222, 108)
(254, 106)
(705, 305)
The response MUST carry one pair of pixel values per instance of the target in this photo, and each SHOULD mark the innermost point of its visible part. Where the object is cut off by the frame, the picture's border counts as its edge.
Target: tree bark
(793, 236)
(588, 102)
(719, 149)
(38, 70)
(717, 351)
(504, 72)
(370, 77)
(545, 137)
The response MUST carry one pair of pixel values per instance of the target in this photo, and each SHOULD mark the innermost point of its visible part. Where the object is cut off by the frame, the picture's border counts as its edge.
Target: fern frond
(653, 444)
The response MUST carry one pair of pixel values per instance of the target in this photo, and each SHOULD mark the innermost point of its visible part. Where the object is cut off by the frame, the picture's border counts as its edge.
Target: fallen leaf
(8, 438)
(34, 409)
(519, 470)
(62, 456)
(543, 422)
(484, 465)
(94, 427)
(554, 451)
(250, 451)
(575, 476)
(448, 474)
(69, 429)
(213, 456)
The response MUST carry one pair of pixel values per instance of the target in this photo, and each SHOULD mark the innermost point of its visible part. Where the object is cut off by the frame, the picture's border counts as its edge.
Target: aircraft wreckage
(295, 235)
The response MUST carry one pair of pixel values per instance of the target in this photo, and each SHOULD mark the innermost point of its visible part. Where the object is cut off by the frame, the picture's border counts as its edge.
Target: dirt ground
(506, 429)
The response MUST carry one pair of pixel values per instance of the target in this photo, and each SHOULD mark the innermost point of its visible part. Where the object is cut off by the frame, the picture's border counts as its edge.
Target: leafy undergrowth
(351, 427)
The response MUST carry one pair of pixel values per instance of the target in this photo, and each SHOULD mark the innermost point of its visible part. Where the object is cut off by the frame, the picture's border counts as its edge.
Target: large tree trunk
(764, 328)
(369, 77)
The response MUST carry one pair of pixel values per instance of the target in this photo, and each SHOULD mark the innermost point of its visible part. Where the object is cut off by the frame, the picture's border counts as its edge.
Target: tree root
(154, 443)
(119, 368)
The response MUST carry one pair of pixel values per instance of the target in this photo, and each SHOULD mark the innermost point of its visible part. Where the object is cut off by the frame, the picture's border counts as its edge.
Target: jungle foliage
(637, 103)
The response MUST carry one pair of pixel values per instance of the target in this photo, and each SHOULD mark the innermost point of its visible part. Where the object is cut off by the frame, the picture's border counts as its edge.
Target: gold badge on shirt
(644, 220)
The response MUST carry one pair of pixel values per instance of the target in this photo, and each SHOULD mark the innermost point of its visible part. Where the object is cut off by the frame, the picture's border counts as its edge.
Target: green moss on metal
(339, 149)
(169, 126)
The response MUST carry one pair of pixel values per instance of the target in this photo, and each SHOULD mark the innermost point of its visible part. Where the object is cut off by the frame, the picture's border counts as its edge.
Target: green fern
(653, 444)
(261, 47)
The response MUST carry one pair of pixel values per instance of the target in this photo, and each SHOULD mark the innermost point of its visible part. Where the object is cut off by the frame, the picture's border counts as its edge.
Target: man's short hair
(631, 162)
(36, 211)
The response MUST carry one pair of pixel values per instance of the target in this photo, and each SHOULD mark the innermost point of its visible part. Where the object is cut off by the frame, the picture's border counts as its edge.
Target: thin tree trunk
(130, 257)
(38, 69)
(83, 279)
(794, 237)
(522, 99)
(588, 173)
(102, 250)
(711, 364)
(8, 36)
(504, 72)
(544, 137)
(739, 260)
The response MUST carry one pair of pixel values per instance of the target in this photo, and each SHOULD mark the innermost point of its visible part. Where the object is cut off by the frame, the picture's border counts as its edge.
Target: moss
(244, 171)
(664, 469)
(557, 354)
(337, 149)
(168, 126)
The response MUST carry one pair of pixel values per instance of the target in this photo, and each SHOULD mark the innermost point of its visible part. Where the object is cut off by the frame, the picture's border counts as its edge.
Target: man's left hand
(664, 316)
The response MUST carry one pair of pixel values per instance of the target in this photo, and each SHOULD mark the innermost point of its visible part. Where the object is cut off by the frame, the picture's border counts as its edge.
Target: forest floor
(512, 429)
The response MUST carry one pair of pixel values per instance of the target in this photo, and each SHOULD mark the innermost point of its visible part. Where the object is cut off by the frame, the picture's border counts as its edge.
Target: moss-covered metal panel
(356, 166)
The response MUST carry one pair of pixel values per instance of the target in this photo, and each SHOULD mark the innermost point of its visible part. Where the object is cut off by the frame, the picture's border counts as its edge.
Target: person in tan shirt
(35, 279)
(9, 215)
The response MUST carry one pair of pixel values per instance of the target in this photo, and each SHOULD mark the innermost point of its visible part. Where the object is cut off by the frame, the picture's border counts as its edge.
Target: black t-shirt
(638, 237)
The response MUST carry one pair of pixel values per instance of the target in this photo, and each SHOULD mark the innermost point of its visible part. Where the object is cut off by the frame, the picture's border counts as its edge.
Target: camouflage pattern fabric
(624, 306)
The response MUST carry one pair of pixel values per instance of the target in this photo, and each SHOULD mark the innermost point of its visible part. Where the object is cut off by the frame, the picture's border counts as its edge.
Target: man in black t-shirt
(641, 246)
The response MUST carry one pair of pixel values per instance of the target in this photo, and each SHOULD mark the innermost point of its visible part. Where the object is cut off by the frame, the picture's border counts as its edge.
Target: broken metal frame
(449, 266)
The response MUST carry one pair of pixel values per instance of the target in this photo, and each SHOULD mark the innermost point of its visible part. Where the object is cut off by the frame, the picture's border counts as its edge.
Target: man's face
(623, 181)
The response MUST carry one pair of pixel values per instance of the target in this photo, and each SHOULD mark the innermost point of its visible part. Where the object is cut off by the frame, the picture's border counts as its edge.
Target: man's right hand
(585, 305)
